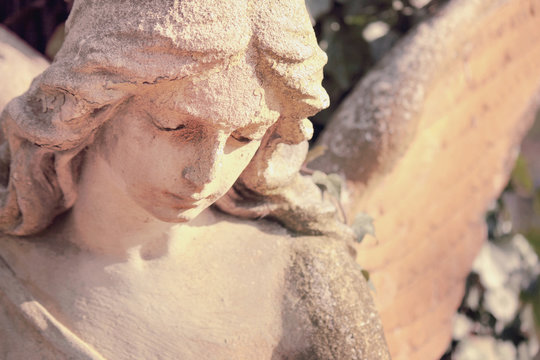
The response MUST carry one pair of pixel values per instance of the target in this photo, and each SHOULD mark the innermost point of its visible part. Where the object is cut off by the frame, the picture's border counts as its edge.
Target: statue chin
(149, 113)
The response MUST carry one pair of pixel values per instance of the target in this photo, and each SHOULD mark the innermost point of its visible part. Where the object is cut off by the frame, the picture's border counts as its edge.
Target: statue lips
(182, 203)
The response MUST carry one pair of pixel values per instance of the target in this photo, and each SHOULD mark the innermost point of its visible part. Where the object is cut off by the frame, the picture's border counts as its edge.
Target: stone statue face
(176, 148)
(176, 101)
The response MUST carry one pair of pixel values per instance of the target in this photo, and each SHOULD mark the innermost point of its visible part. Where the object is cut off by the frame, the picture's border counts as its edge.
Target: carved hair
(102, 62)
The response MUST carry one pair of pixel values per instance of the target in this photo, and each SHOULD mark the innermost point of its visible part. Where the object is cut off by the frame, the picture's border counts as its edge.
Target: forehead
(150, 41)
(231, 96)
(189, 39)
(210, 26)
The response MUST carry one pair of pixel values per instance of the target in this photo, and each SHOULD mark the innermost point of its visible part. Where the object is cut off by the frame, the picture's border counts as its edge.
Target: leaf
(315, 153)
(319, 177)
(367, 276)
(357, 20)
(371, 286)
(345, 62)
(532, 296)
(336, 185)
(533, 236)
(536, 202)
(363, 225)
(521, 177)
(331, 183)
(56, 41)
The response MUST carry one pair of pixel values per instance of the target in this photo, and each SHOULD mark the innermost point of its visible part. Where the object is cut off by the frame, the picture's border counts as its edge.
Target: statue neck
(106, 221)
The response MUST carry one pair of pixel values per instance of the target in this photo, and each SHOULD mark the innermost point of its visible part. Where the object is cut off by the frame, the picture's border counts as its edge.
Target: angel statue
(151, 201)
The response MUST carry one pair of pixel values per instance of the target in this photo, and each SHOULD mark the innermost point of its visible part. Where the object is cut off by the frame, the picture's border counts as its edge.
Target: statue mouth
(182, 202)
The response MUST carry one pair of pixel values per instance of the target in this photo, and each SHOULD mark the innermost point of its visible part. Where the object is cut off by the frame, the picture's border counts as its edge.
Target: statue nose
(206, 167)
(201, 174)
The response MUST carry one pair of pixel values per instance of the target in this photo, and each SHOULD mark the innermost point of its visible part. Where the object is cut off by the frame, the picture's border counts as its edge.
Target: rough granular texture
(329, 301)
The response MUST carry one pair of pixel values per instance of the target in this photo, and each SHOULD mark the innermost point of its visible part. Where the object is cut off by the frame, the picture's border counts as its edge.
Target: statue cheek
(237, 161)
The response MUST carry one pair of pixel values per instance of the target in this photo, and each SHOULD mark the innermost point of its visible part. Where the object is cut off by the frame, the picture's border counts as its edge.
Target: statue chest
(221, 298)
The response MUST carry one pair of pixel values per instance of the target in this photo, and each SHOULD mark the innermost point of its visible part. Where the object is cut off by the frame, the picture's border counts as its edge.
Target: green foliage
(55, 41)
(536, 202)
(315, 152)
(340, 26)
(348, 53)
(367, 277)
(328, 182)
(333, 185)
(521, 177)
(522, 183)
(533, 236)
(363, 225)
(532, 296)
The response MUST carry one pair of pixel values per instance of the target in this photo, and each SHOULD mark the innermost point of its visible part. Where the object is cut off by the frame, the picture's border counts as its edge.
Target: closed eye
(241, 138)
(179, 127)
(161, 127)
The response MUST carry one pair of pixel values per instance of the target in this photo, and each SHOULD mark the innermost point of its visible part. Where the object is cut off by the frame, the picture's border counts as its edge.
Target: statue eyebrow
(252, 133)
(178, 110)
(251, 128)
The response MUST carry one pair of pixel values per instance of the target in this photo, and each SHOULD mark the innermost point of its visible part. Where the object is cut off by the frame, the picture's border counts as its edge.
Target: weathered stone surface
(150, 112)
(282, 298)
(426, 142)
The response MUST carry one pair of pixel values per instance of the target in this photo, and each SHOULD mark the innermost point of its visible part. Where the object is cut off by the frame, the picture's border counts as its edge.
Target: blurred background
(499, 316)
